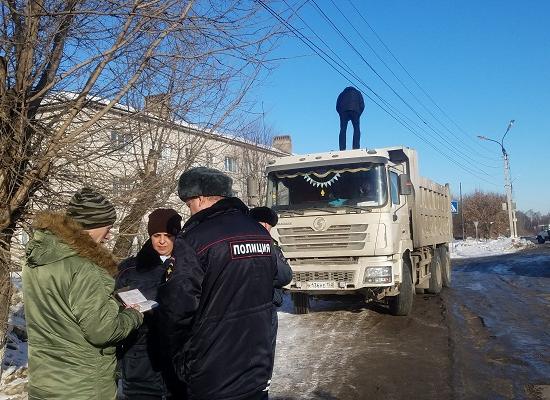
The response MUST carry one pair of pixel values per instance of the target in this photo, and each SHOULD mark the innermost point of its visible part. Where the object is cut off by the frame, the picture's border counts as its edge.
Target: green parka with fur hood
(73, 322)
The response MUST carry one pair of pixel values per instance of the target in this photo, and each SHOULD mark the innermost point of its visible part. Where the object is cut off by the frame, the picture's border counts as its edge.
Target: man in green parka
(73, 321)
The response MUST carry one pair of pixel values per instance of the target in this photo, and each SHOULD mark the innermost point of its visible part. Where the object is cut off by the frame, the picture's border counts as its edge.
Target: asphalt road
(487, 337)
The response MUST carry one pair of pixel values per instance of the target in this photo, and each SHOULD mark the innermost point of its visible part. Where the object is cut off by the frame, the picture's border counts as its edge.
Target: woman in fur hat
(73, 321)
(145, 373)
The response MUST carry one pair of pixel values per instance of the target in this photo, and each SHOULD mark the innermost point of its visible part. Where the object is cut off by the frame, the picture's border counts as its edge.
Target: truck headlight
(377, 275)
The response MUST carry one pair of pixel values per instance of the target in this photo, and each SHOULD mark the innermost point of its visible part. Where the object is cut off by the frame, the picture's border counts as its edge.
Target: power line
(324, 57)
(429, 126)
(347, 68)
(401, 81)
(460, 129)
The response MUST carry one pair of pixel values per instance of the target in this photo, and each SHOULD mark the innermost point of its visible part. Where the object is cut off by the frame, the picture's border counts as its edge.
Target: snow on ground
(13, 384)
(487, 247)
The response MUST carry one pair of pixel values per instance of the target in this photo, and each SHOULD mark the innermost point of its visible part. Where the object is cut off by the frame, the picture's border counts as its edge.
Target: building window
(24, 238)
(394, 187)
(120, 140)
(166, 153)
(209, 159)
(121, 186)
(230, 164)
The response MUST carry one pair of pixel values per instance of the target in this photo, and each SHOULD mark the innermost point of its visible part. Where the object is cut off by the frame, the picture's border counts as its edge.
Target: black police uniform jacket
(216, 304)
(144, 373)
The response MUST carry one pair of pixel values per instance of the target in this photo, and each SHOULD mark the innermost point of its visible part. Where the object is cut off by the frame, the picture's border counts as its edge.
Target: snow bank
(13, 385)
(487, 247)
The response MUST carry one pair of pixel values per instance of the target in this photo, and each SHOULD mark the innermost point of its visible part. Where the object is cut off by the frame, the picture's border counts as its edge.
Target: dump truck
(362, 222)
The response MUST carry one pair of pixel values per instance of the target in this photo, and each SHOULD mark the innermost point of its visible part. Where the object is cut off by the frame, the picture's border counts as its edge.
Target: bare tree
(486, 209)
(66, 66)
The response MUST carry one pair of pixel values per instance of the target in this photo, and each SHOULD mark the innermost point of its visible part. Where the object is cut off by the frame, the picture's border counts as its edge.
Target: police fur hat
(264, 214)
(203, 181)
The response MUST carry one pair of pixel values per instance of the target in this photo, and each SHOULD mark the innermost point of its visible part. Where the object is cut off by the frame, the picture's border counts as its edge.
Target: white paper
(135, 298)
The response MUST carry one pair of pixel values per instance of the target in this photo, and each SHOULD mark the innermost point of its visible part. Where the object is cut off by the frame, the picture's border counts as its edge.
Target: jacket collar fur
(147, 258)
(71, 233)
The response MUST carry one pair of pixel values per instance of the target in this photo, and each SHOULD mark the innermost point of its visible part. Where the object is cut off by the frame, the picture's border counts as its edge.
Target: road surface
(487, 337)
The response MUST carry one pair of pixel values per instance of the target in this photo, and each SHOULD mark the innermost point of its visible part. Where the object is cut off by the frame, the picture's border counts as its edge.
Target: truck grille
(325, 261)
(336, 237)
(338, 276)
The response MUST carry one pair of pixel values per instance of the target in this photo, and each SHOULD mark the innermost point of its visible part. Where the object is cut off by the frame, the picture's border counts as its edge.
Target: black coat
(145, 374)
(216, 304)
(283, 278)
(350, 99)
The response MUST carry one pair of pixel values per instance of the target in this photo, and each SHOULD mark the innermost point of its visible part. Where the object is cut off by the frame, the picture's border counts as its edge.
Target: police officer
(268, 219)
(216, 303)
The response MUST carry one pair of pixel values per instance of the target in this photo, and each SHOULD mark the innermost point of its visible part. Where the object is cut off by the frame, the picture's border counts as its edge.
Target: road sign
(454, 207)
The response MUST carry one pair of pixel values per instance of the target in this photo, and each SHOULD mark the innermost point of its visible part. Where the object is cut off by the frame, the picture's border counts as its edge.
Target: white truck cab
(360, 221)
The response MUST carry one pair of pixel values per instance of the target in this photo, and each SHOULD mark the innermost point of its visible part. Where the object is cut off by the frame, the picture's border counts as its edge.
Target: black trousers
(345, 117)
(274, 327)
(259, 396)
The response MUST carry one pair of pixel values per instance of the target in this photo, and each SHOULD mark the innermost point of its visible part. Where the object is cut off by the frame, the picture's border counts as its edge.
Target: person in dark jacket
(145, 375)
(215, 306)
(268, 219)
(350, 106)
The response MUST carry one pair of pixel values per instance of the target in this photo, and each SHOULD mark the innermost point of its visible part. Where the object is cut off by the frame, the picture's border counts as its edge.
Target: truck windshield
(362, 185)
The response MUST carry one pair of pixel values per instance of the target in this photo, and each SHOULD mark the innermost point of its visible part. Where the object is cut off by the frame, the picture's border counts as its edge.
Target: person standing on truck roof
(215, 306)
(268, 219)
(350, 106)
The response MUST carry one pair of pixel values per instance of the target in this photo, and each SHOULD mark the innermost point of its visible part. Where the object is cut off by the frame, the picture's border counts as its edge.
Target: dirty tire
(402, 303)
(301, 303)
(445, 265)
(436, 280)
(540, 239)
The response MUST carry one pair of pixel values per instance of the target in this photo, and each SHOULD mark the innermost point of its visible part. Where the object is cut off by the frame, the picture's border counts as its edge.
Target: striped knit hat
(91, 209)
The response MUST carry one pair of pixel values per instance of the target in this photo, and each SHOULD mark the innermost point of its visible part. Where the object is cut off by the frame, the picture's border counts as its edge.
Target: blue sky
(483, 62)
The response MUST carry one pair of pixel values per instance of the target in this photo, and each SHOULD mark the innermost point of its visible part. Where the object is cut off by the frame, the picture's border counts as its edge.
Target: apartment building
(135, 157)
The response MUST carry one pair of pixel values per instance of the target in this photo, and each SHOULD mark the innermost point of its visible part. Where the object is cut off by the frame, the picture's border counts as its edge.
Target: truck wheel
(540, 239)
(402, 303)
(445, 265)
(436, 281)
(301, 303)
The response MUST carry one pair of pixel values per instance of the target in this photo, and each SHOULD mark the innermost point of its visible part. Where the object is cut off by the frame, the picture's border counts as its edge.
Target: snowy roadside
(13, 385)
(470, 248)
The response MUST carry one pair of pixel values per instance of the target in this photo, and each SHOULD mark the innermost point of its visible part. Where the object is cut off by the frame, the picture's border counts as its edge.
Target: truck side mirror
(405, 185)
(252, 186)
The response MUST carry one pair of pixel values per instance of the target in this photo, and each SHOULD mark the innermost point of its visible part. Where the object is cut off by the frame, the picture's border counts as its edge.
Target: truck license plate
(320, 285)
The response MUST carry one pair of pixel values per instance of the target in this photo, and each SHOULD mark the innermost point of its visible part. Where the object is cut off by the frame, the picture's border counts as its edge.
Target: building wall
(113, 155)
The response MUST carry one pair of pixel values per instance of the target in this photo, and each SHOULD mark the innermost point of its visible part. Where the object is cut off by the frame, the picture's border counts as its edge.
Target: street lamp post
(507, 180)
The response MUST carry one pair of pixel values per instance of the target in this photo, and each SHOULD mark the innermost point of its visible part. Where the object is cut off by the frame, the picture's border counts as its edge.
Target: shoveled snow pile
(487, 247)
(13, 385)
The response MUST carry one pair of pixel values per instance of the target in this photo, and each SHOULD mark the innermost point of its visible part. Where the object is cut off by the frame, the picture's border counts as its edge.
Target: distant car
(543, 236)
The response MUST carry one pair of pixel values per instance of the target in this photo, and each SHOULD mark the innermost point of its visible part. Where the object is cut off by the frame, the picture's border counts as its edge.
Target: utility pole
(507, 181)
(508, 186)
(462, 212)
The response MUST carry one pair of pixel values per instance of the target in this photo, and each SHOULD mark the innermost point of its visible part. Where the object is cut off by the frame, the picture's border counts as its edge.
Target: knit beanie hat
(164, 220)
(203, 181)
(91, 209)
(264, 214)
